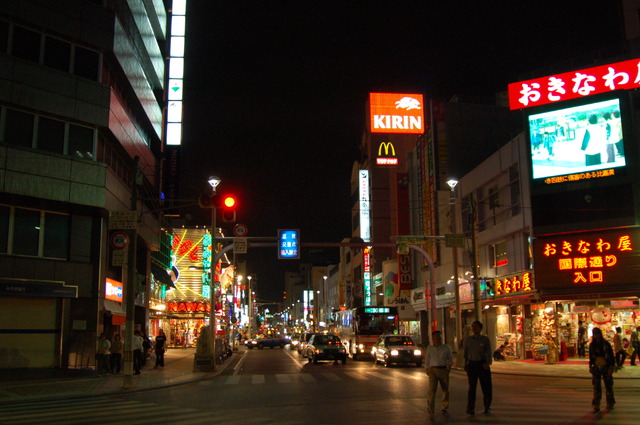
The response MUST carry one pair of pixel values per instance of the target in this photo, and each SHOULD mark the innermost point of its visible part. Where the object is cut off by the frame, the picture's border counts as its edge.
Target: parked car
(326, 347)
(304, 340)
(398, 349)
(262, 341)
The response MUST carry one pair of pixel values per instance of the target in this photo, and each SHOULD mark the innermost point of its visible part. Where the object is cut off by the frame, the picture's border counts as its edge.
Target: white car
(397, 349)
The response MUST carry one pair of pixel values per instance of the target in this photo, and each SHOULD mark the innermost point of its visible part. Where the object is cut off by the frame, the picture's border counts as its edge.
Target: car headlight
(294, 342)
(417, 352)
(394, 352)
(254, 342)
(361, 346)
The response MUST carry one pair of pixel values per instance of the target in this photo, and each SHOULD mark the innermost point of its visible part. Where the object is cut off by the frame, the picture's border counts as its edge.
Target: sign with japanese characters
(576, 84)
(396, 113)
(288, 244)
(513, 284)
(588, 260)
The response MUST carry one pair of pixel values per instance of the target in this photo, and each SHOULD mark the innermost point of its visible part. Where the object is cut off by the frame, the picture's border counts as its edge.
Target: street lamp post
(452, 184)
(249, 307)
(214, 182)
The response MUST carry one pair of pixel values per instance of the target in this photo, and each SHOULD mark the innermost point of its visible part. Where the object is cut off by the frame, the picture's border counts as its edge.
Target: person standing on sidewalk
(439, 361)
(116, 354)
(137, 352)
(582, 339)
(618, 349)
(477, 363)
(601, 365)
(161, 341)
(635, 344)
(102, 355)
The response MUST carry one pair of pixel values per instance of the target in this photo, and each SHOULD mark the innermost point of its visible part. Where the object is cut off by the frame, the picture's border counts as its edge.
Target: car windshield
(399, 340)
(326, 340)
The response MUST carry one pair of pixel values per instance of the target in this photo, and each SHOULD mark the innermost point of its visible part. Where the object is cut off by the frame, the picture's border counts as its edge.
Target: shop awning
(161, 275)
(118, 315)
(37, 288)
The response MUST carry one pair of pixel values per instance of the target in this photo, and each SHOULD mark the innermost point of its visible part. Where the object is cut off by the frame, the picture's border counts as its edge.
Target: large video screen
(576, 140)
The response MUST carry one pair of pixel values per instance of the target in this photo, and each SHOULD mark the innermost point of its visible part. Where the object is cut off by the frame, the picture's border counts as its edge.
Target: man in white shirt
(438, 361)
(137, 352)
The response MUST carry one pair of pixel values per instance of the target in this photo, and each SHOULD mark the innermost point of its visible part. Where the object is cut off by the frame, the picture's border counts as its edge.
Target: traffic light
(229, 209)
(205, 201)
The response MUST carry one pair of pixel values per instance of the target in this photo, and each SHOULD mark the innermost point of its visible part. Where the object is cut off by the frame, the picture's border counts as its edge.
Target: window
(86, 63)
(81, 141)
(19, 128)
(514, 189)
(5, 214)
(56, 235)
(494, 197)
(50, 135)
(26, 44)
(57, 54)
(26, 232)
(4, 36)
(500, 257)
(35, 233)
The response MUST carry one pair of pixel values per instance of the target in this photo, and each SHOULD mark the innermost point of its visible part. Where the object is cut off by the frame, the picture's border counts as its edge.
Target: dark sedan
(326, 347)
(398, 349)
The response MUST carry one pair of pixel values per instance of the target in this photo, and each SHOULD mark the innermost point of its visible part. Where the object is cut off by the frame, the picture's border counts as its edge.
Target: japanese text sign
(513, 284)
(288, 244)
(585, 260)
(576, 84)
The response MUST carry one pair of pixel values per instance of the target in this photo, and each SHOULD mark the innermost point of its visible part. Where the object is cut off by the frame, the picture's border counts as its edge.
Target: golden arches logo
(386, 146)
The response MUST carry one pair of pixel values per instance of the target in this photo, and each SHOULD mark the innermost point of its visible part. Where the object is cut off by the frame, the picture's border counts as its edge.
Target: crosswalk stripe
(283, 378)
(331, 376)
(257, 379)
(379, 375)
(233, 380)
(307, 377)
(356, 375)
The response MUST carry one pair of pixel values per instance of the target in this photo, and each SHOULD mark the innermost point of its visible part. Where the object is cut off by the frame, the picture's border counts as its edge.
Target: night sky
(275, 92)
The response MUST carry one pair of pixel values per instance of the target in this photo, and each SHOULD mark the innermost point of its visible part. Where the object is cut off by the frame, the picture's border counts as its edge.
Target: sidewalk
(22, 385)
(52, 383)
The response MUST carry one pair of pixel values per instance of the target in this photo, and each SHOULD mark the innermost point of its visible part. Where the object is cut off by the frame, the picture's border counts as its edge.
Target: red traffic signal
(229, 209)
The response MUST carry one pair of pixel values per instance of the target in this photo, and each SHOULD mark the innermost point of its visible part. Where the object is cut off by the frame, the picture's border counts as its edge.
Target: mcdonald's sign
(386, 154)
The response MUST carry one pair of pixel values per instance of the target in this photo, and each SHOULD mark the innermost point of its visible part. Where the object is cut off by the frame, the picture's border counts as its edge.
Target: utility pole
(476, 258)
(130, 284)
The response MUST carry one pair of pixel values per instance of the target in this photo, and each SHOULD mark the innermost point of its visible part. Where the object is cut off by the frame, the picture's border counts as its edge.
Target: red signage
(518, 283)
(396, 113)
(188, 307)
(113, 290)
(576, 84)
(589, 259)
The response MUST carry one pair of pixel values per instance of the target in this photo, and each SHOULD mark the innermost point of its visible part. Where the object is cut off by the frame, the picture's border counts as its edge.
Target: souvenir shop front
(586, 277)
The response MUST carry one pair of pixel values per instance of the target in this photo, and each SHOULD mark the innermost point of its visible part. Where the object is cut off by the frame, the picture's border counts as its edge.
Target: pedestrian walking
(137, 352)
(102, 355)
(438, 362)
(601, 366)
(582, 339)
(161, 341)
(116, 354)
(146, 348)
(477, 363)
(618, 348)
(633, 349)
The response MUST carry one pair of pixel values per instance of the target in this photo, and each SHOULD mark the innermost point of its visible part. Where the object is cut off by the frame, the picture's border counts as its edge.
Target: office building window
(50, 135)
(4, 36)
(26, 232)
(56, 235)
(5, 215)
(81, 143)
(26, 44)
(86, 63)
(18, 128)
(57, 54)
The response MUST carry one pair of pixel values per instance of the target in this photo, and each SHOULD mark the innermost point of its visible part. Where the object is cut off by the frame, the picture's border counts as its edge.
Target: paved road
(277, 387)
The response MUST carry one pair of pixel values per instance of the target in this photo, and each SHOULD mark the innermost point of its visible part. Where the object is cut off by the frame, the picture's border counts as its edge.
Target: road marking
(332, 376)
(307, 377)
(356, 375)
(283, 378)
(233, 379)
(380, 375)
(257, 379)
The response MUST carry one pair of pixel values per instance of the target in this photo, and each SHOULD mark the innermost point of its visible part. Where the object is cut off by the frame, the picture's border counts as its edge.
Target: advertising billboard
(588, 261)
(575, 84)
(576, 143)
(396, 113)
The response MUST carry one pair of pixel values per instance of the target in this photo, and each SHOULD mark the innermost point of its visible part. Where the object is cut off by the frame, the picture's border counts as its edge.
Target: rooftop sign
(396, 113)
(575, 84)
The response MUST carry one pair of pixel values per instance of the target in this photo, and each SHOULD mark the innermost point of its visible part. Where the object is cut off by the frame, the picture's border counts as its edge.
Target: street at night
(275, 386)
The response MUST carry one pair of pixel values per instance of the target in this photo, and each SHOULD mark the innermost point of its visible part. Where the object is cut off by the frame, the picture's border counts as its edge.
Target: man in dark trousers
(477, 363)
(601, 365)
(161, 341)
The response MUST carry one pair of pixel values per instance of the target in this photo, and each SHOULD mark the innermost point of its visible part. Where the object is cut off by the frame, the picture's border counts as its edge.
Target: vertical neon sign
(365, 219)
(367, 276)
(176, 72)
